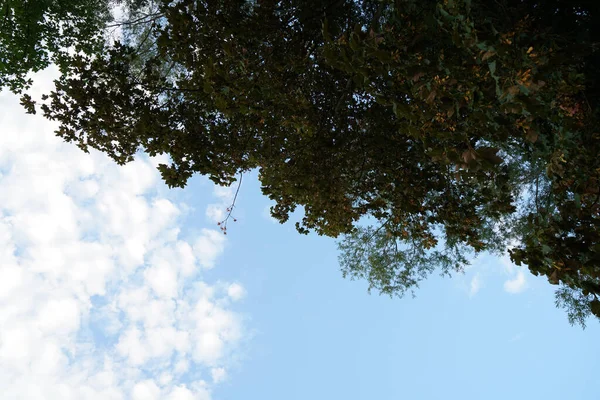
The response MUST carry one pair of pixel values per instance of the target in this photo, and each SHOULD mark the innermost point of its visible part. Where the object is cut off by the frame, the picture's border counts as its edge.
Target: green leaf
(595, 307)
(577, 198)
(492, 67)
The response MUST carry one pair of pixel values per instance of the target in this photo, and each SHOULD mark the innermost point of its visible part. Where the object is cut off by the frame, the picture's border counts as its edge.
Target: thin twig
(223, 224)
(141, 20)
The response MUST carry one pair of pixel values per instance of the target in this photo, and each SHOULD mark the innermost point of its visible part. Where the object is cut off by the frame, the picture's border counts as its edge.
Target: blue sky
(320, 336)
(114, 287)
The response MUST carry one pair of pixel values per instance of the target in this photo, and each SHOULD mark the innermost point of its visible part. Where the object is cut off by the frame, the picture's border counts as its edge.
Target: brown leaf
(417, 76)
(513, 90)
(554, 278)
(431, 96)
(469, 155)
(532, 136)
(488, 54)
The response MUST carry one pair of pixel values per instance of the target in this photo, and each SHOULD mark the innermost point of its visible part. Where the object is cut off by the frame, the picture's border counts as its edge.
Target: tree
(422, 131)
(36, 33)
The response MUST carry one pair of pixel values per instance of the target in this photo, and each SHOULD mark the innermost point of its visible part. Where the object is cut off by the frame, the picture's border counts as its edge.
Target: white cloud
(516, 337)
(145, 390)
(59, 316)
(162, 279)
(216, 212)
(183, 393)
(100, 298)
(475, 285)
(517, 284)
(518, 281)
(218, 374)
(208, 246)
(236, 291)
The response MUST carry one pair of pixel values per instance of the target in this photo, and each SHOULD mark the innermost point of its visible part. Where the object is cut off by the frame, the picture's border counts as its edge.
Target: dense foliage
(423, 131)
(36, 33)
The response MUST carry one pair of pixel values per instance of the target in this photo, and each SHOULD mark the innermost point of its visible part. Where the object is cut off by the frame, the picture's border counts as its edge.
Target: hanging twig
(223, 224)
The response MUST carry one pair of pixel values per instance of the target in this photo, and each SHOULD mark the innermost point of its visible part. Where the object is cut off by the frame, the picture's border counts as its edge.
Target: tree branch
(223, 224)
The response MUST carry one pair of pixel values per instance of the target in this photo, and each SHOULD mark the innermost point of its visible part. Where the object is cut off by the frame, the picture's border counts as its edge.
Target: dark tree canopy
(422, 131)
(36, 33)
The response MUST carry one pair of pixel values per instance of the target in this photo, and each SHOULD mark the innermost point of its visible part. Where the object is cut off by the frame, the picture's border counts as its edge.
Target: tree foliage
(422, 131)
(36, 33)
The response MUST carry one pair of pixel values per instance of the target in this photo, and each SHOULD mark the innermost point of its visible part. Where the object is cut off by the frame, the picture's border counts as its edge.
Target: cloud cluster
(482, 269)
(518, 281)
(100, 297)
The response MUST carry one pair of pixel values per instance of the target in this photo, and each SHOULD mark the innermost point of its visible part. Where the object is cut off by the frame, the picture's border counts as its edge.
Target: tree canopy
(421, 131)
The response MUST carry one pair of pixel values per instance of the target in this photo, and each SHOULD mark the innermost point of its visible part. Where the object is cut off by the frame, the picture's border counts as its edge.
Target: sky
(113, 286)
